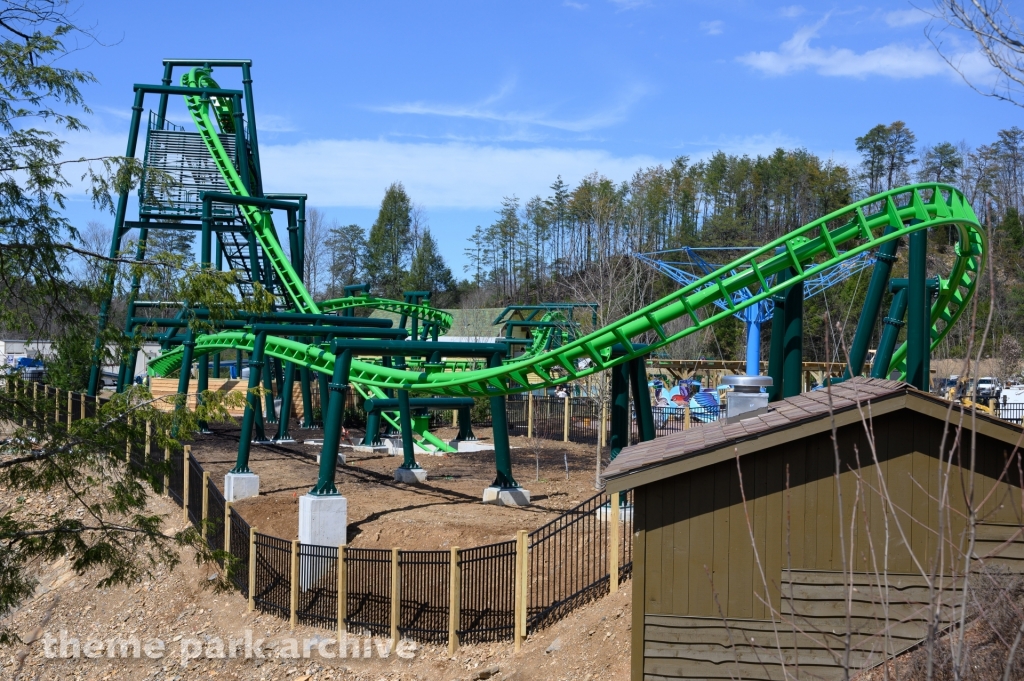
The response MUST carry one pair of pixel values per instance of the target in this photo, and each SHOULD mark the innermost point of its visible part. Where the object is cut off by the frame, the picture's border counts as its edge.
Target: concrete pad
(241, 486)
(286, 441)
(410, 476)
(394, 447)
(341, 458)
(323, 519)
(472, 446)
(625, 512)
(369, 449)
(506, 496)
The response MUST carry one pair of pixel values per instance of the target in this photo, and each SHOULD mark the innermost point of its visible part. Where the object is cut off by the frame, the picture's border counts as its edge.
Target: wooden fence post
(149, 444)
(227, 526)
(521, 595)
(529, 414)
(294, 605)
(252, 569)
(613, 543)
(81, 401)
(167, 473)
(56, 406)
(455, 418)
(184, 483)
(35, 400)
(342, 595)
(206, 502)
(686, 417)
(128, 443)
(454, 599)
(396, 598)
(71, 405)
(565, 420)
(604, 424)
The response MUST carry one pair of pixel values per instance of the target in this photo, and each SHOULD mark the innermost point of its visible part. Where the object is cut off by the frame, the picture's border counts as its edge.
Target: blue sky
(467, 102)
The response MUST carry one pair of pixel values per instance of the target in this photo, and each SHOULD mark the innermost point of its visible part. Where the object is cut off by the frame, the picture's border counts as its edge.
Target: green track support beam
(335, 415)
(918, 324)
(793, 343)
(307, 399)
(641, 400)
(777, 349)
(465, 425)
(405, 423)
(885, 257)
(499, 426)
(892, 323)
(286, 402)
(252, 406)
(620, 410)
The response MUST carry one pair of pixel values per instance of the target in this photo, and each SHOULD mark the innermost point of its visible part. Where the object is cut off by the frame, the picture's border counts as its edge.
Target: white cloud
(455, 175)
(274, 123)
(906, 17)
(791, 11)
(712, 27)
(486, 111)
(574, 5)
(894, 60)
(629, 4)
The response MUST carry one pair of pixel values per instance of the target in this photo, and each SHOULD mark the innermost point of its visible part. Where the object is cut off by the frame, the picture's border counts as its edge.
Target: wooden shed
(757, 541)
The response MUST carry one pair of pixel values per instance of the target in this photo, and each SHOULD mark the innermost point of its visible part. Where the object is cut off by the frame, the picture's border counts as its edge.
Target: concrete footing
(241, 486)
(471, 446)
(604, 513)
(507, 496)
(341, 458)
(323, 519)
(410, 476)
(369, 449)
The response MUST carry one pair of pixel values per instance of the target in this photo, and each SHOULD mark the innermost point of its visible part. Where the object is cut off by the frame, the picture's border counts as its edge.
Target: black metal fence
(195, 492)
(214, 517)
(487, 610)
(239, 549)
(273, 579)
(568, 560)
(368, 573)
(318, 585)
(1014, 413)
(424, 587)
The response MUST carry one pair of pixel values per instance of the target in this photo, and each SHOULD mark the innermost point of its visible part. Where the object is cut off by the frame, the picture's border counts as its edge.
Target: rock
(486, 673)
(555, 646)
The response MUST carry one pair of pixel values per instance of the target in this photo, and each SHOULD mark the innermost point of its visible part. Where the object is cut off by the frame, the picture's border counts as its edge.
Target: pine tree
(389, 246)
(429, 272)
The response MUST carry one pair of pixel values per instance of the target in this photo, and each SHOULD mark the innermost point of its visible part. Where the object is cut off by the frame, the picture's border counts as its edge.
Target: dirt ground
(179, 609)
(443, 512)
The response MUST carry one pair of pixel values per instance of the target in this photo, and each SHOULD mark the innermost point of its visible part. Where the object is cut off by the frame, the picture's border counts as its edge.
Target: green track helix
(262, 227)
(807, 250)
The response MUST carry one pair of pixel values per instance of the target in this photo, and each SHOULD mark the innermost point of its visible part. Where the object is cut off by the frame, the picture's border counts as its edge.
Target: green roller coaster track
(262, 226)
(804, 252)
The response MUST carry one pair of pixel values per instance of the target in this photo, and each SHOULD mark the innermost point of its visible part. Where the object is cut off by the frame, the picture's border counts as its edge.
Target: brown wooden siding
(707, 553)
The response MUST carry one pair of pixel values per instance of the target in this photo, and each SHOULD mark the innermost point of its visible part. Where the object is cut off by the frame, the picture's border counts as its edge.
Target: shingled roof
(783, 415)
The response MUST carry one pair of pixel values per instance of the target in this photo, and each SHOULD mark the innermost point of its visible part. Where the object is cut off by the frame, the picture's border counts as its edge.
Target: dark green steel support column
(252, 406)
(893, 322)
(793, 346)
(286, 402)
(238, 364)
(465, 425)
(499, 425)
(372, 436)
(115, 244)
(127, 369)
(335, 414)
(325, 396)
(405, 423)
(268, 392)
(917, 312)
(202, 385)
(307, 399)
(620, 409)
(184, 374)
(776, 351)
(884, 260)
(641, 399)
